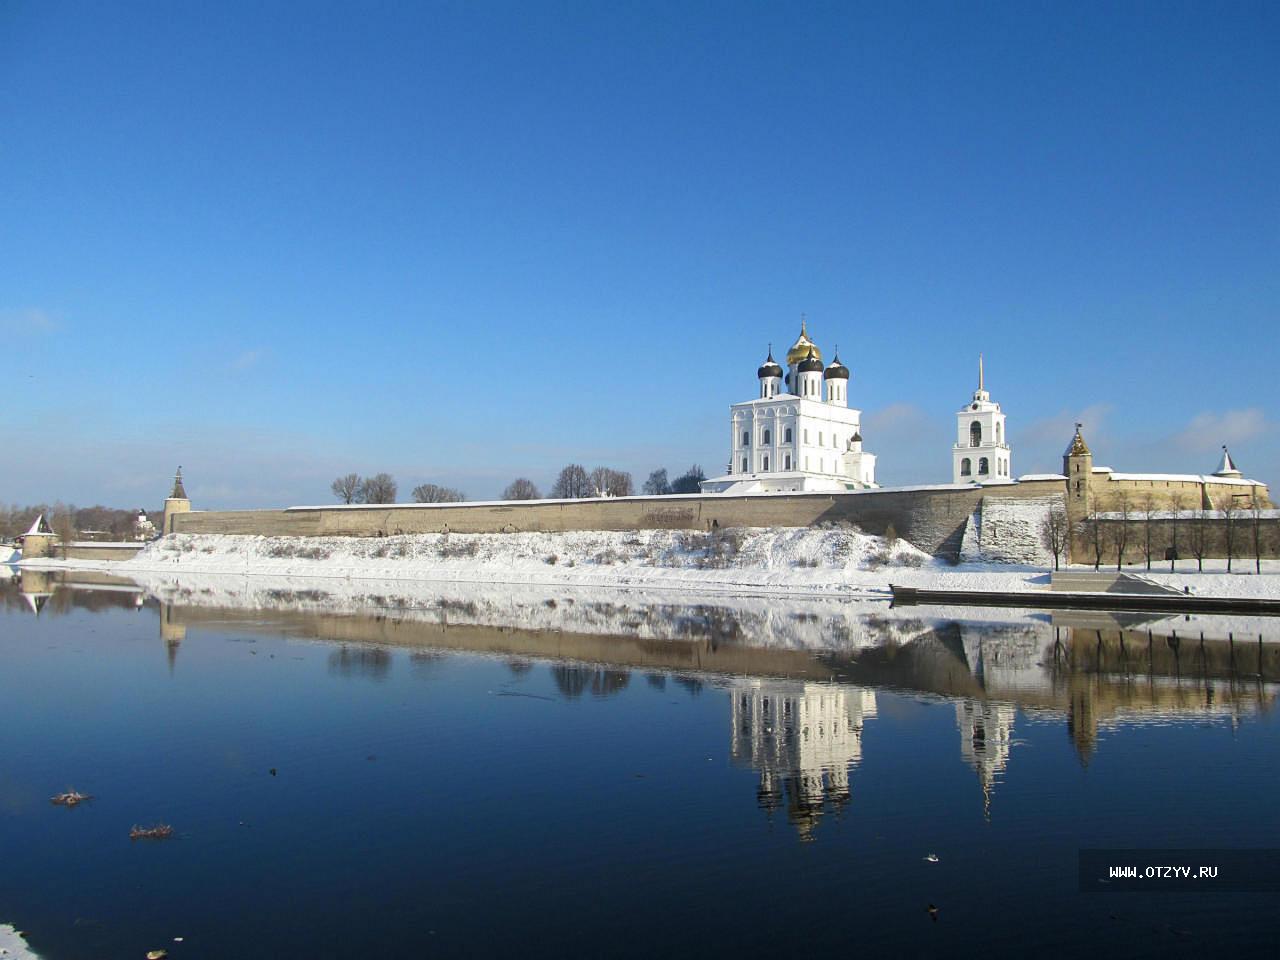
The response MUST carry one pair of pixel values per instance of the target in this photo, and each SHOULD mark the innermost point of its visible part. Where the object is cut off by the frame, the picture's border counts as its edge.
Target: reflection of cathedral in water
(986, 735)
(803, 738)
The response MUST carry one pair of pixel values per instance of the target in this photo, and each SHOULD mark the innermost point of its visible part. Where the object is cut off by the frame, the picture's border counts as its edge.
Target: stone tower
(1077, 465)
(175, 503)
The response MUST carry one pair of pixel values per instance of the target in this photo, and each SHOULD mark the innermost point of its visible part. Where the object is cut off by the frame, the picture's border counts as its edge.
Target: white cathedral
(800, 433)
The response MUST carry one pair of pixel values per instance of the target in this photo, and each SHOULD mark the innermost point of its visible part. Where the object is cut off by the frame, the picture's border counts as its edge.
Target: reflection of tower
(986, 734)
(36, 587)
(803, 738)
(1082, 715)
(171, 632)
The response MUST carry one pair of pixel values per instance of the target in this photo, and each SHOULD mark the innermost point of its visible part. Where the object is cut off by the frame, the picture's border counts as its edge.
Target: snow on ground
(795, 561)
(13, 947)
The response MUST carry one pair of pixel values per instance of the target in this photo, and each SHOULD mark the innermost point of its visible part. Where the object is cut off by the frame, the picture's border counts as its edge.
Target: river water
(388, 769)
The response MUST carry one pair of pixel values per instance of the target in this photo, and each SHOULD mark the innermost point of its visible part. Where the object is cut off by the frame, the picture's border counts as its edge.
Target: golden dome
(800, 349)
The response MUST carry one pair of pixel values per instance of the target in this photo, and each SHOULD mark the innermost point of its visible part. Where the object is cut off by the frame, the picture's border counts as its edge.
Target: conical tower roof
(1078, 447)
(1227, 467)
(179, 493)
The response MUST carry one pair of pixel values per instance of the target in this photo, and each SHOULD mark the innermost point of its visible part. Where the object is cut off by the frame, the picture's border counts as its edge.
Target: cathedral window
(975, 434)
(786, 437)
(746, 438)
(984, 466)
(768, 437)
(966, 467)
(766, 464)
(999, 434)
(806, 436)
(744, 464)
(819, 438)
(788, 461)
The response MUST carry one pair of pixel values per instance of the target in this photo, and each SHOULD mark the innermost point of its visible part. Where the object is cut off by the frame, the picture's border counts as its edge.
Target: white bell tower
(981, 451)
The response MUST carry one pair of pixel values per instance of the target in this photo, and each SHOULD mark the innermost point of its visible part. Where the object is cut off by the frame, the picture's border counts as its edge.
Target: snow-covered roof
(39, 526)
(1187, 478)
(1041, 476)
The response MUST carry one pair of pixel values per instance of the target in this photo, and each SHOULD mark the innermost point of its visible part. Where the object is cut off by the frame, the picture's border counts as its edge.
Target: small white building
(981, 451)
(800, 432)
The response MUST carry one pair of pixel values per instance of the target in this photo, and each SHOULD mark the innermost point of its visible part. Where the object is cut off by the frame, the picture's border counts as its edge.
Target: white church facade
(799, 433)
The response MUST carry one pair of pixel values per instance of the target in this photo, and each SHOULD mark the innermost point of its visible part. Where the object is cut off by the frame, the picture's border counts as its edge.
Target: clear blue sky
(462, 242)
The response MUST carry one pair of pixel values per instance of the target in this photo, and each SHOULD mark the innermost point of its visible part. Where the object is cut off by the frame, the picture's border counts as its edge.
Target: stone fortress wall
(931, 518)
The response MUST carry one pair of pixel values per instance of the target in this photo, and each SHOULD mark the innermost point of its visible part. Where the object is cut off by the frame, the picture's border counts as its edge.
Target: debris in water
(157, 954)
(931, 857)
(272, 771)
(70, 798)
(933, 912)
(161, 831)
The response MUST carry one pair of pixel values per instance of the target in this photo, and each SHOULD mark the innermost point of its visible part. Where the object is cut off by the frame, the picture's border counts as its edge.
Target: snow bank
(13, 946)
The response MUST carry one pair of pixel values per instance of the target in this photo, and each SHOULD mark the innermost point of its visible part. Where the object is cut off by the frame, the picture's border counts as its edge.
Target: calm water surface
(546, 775)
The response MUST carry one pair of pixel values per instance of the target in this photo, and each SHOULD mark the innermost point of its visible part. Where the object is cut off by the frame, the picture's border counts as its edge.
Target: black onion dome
(769, 368)
(810, 364)
(837, 370)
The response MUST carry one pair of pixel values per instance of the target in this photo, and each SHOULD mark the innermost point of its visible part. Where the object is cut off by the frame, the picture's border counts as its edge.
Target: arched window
(766, 464)
(744, 464)
(768, 438)
(975, 434)
(788, 461)
(984, 467)
(999, 434)
(966, 467)
(786, 437)
(746, 438)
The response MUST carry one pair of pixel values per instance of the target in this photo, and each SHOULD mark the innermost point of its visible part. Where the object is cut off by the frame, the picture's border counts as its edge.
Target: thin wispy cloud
(28, 321)
(248, 359)
(1209, 431)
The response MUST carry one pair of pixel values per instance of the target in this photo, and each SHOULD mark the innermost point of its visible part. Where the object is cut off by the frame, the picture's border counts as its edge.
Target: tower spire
(981, 385)
(803, 332)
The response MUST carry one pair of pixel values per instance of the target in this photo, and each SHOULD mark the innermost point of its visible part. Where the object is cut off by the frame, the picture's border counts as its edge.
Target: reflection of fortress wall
(803, 738)
(932, 519)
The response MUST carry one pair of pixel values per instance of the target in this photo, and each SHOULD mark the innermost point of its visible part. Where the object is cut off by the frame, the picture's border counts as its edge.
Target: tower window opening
(984, 466)
(744, 464)
(975, 434)
(788, 461)
(766, 465)
(966, 467)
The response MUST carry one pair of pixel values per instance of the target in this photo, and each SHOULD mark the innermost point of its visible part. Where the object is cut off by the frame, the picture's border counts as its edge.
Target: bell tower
(1077, 466)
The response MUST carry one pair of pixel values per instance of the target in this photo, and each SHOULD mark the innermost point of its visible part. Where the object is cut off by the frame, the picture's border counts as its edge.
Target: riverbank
(821, 561)
(12, 946)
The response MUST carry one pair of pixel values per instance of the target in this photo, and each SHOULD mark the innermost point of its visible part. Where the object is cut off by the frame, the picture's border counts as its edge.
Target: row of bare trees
(105, 523)
(1109, 530)
(689, 482)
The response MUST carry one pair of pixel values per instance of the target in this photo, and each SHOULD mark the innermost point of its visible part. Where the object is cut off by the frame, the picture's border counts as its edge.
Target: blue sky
(463, 242)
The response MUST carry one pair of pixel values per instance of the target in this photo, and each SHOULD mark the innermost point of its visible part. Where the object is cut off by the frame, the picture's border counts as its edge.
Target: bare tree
(1255, 514)
(434, 493)
(1092, 528)
(572, 484)
(521, 488)
(380, 488)
(657, 484)
(1199, 534)
(611, 483)
(1055, 529)
(1230, 514)
(1176, 503)
(689, 483)
(64, 525)
(1147, 505)
(1120, 534)
(347, 488)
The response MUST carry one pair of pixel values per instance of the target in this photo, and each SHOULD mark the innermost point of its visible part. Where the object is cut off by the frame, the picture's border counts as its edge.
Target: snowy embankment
(794, 560)
(13, 946)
